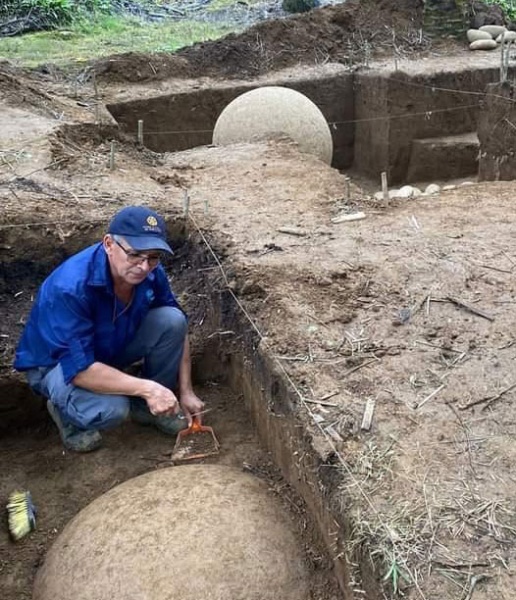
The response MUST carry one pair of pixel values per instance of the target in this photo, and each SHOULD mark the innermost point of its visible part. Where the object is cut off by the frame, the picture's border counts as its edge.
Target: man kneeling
(102, 310)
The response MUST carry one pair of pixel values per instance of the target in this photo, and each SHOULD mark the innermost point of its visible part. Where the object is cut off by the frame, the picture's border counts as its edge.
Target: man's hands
(190, 404)
(160, 400)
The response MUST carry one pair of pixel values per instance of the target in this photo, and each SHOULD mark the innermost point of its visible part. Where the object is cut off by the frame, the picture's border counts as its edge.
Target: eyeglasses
(137, 258)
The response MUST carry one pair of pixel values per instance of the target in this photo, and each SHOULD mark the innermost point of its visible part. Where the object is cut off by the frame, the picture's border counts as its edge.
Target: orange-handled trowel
(198, 441)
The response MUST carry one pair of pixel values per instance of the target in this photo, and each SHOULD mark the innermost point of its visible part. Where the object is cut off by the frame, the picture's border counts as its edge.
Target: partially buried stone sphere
(182, 533)
(270, 111)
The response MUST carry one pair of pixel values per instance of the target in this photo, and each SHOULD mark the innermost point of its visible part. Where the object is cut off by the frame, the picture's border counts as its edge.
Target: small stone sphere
(271, 111)
(190, 532)
(483, 45)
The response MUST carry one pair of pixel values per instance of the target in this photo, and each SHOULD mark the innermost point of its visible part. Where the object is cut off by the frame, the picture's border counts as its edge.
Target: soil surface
(409, 312)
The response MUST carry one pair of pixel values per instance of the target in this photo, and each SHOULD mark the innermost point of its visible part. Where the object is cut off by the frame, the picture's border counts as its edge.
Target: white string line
(450, 90)
(426, 113)
(356, 483)
(433, 88)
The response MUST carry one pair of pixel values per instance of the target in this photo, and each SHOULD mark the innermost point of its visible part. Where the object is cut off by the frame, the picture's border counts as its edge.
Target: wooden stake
(140, 131)
(186, 203)
(112, 157)
(348, 189)
(95, 88)
(385, 186)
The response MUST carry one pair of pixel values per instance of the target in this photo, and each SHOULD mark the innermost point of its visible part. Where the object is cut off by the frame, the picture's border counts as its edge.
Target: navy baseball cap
(141, 227)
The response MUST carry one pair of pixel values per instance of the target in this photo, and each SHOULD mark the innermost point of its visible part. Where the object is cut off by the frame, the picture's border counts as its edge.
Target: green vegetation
(88, 39)
(508, 7)
(46, 14)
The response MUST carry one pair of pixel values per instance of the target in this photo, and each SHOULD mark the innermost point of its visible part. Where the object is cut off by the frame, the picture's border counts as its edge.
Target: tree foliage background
(20, 16)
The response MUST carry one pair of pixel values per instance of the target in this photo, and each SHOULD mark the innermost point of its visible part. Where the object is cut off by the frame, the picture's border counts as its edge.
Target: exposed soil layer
(497, 133)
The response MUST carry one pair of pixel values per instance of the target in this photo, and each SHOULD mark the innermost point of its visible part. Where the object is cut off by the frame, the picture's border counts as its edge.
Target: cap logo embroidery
(152, 221)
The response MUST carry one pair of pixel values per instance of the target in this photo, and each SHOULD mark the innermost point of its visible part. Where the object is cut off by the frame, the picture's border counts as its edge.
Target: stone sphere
(270, 111)
(190, 532)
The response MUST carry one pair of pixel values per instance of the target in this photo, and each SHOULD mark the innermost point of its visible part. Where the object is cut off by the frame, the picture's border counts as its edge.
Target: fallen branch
(360, 366)
(293, 231)
(320, 402)
(472, 584)
(430, 396)
(489, 399)
(469, 308)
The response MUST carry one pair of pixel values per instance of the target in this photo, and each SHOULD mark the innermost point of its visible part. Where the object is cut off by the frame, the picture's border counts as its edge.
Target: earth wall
(174, 122)
(393, 110)
(497, 133)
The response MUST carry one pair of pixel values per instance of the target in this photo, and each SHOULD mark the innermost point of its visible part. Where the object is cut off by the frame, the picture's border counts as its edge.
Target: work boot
(170, 425)
(73, 438)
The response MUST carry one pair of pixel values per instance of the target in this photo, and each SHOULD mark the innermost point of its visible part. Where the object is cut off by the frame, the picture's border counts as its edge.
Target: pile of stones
(488, 37)
(409, 191)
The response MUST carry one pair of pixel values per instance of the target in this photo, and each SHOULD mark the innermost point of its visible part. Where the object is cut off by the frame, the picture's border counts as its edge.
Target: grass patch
(108, 35)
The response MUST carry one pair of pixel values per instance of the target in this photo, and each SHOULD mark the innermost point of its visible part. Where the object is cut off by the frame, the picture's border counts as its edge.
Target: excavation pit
(417, 122)
(63, 483)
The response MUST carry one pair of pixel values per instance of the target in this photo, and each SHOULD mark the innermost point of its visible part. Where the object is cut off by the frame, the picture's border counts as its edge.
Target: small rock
(416, 192)
(467, 183)
(433, 188)
(407, 191)
(475, 34)
(445, 188)
(323, 281)
(483, 45)
(493, 30)
(508, 36)
(404, 192)
(378, 196)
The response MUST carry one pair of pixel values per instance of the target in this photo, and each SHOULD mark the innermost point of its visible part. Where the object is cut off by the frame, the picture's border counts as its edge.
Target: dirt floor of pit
(63, 483)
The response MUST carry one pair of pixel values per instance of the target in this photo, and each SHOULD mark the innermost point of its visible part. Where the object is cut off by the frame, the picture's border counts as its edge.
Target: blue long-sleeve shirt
(75, 319)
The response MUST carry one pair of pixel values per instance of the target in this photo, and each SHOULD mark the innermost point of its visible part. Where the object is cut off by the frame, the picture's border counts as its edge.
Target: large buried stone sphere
(196, 532)
(269, 111)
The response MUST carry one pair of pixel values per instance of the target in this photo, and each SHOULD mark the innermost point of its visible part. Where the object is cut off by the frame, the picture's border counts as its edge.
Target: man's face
(128, 265)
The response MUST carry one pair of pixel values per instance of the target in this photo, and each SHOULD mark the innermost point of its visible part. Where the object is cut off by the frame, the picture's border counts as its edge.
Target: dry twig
(489, 399)
(469, 308)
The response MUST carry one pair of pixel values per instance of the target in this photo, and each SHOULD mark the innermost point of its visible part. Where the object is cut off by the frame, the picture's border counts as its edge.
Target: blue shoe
(73, 438)
(170, 425)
